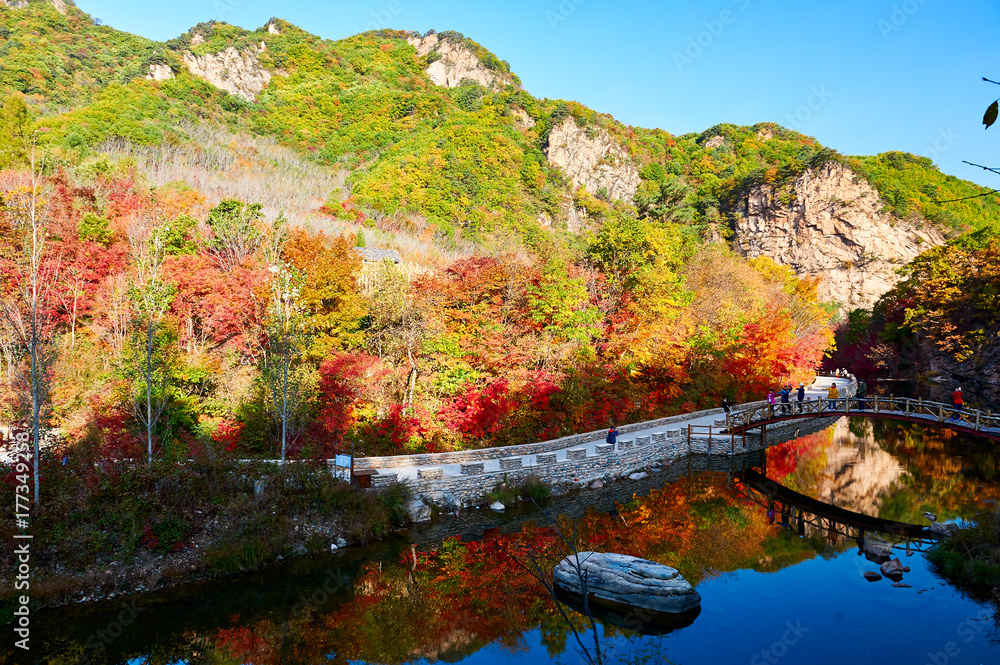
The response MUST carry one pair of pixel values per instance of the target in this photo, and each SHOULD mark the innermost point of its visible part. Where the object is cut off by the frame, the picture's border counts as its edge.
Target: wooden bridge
(797, 510)
(966, 421)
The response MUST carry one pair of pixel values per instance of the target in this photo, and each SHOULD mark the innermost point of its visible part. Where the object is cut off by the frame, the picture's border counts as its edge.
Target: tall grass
(971, 557)
(224, 164)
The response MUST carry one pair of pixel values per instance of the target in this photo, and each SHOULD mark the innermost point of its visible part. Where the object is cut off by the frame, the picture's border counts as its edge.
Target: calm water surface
(768, 594)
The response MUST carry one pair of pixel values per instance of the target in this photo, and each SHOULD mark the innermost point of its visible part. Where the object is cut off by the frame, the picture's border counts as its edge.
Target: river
(769, 593)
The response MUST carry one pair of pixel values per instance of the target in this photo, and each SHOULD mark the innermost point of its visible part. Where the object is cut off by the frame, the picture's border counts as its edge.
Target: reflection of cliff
(858, 472)
(842, 466)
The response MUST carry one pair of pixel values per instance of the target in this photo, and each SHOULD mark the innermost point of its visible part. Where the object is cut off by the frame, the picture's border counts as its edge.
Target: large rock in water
(619, 580)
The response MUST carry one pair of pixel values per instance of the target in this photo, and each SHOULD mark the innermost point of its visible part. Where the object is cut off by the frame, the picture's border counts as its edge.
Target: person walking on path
(785, 401)
(801, 396)
(956, 399)
(862, 391)
(770, 402)
(612, 435)
(832, 394)
(726, 406)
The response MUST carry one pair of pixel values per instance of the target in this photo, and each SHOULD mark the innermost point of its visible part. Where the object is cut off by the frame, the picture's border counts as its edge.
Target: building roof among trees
(378, 254)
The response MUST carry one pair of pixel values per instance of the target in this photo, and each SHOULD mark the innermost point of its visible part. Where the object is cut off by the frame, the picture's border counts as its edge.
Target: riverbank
(107, 529)
(971, 558)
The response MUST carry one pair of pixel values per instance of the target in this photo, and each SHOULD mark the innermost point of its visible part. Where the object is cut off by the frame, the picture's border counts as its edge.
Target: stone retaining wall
(483, 454)
(473, 482)
(472, 486)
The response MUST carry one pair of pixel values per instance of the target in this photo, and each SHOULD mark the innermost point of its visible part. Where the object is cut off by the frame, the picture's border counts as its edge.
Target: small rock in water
(872, 576)
(901, 585)
(418, 510)
(596, 485)
(341, 542)
(638, 476)
(893, 569)
(931, 516)
(333, 547)
(497, 506)
(944, 528)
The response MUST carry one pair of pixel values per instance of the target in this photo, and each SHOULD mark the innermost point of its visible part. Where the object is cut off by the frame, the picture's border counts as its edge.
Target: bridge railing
(915, 409)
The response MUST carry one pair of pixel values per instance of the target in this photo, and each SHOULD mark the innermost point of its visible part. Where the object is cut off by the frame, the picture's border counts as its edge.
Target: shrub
(95, 229)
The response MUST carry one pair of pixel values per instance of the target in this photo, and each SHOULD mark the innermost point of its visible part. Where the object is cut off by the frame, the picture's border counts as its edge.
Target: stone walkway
(815, 391)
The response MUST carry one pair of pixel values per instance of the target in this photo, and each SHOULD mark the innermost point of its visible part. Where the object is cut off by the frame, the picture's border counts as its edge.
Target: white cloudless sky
(862, 76)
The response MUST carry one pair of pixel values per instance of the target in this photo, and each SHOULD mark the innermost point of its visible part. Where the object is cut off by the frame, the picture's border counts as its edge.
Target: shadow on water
(171, 621)
(860, 466)
(637, 620)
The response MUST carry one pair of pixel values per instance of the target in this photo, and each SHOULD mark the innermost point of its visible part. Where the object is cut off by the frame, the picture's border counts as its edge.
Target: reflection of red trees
(463, 595)
(782, 460)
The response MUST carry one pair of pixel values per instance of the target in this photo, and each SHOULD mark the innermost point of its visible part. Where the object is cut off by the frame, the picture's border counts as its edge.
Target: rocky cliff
(591, 158)
(455, 63)
(238, 73)
(829, 223)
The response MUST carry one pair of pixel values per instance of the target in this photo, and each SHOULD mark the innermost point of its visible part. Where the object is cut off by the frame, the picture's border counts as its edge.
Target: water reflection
(474, 600)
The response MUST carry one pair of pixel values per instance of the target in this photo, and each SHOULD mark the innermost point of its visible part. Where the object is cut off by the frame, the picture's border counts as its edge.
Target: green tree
(15, 124)
(153, 347)
(287, 340)
(237, 232)
(560, 304)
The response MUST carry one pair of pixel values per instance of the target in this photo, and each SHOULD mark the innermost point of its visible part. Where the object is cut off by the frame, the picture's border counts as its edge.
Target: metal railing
(916, 410)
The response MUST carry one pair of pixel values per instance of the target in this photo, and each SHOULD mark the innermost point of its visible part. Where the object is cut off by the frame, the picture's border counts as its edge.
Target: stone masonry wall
(632, 454)
(483, 454)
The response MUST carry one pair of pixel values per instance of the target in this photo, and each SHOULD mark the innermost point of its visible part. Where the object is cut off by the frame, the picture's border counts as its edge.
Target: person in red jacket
(956, 399)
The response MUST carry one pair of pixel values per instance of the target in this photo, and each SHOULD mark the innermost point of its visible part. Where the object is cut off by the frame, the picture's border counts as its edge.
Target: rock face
(456, 63)
(621, 580)
(159, 73)
(232, 71)
(828, 223)
(592, 159)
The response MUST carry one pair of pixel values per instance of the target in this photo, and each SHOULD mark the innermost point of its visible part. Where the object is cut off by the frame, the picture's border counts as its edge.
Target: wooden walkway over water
(966, 421)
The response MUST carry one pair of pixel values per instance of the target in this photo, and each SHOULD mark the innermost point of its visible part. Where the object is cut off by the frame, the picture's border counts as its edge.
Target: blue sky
(863, 77)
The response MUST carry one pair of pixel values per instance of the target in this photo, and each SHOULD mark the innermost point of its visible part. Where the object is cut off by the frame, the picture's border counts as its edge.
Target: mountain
(559, 268)
(434, 135)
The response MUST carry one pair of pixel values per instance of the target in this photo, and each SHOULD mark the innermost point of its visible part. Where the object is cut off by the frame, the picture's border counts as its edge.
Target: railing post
(907, 407)
(977, 421)
(876, 405)
(940, 413)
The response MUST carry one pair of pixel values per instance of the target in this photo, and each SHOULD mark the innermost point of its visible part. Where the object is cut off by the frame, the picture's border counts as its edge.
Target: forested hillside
(198, 235)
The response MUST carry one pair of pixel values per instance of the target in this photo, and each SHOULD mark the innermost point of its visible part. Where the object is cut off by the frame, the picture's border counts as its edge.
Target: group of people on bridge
(784, 396)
